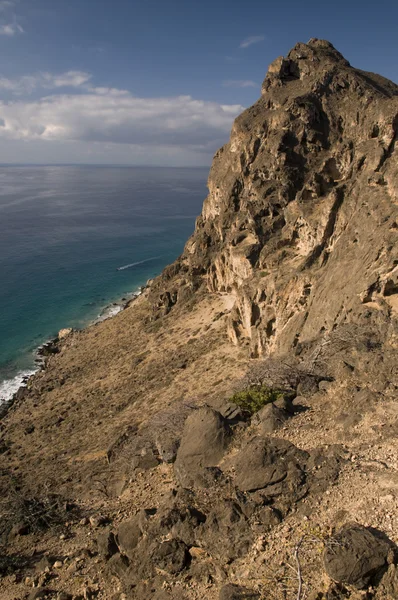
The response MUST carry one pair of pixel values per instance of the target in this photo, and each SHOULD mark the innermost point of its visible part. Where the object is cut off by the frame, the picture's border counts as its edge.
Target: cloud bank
(184, 127)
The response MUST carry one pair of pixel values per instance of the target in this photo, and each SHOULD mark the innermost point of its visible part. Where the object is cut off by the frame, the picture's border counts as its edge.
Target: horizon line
(121, 165)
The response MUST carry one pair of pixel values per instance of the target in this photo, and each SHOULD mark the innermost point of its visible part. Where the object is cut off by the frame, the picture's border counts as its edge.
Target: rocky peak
(300, 224)
(303, 60)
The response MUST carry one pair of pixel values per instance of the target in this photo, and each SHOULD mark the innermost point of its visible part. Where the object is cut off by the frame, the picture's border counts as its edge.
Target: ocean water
(75, 239)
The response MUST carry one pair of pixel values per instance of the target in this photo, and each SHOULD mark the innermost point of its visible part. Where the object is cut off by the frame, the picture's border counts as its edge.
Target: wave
(9, 387)
(134, 264)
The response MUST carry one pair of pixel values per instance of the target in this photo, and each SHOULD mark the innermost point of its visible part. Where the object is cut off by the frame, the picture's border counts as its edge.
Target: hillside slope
(128, 467)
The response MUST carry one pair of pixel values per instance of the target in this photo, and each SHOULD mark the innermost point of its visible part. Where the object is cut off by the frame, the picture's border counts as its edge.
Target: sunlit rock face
(300, 224)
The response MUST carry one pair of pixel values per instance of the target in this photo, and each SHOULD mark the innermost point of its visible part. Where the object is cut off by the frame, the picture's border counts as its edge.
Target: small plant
(253, 398)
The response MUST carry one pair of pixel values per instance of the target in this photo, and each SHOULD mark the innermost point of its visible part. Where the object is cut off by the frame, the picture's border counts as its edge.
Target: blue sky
(158, 81)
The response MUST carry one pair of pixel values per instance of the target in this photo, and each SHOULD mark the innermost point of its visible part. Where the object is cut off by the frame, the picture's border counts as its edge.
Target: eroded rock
(355, 555)
(205, 439)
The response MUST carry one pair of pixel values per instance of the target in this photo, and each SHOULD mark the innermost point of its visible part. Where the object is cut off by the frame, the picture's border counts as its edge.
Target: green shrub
(255, 397)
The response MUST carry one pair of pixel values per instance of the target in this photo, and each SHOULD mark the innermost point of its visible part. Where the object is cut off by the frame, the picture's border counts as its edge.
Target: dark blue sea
(65, 233)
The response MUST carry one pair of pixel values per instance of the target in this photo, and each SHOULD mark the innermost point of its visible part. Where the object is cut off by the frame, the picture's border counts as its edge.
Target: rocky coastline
(231, 434)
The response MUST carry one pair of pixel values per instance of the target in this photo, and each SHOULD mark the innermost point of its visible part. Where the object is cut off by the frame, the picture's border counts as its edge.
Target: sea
(77, 240)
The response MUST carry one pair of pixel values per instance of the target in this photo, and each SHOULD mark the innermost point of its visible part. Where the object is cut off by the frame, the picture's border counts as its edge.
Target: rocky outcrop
(300, 223)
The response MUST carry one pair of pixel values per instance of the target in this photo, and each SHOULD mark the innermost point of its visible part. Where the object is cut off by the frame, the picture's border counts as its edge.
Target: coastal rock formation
(232, 432)
(300, 224)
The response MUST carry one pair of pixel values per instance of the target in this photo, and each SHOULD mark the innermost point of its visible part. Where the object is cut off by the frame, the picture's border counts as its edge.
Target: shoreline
(14, 388)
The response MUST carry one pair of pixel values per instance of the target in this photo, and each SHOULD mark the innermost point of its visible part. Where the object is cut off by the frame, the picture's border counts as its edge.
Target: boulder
(128, 535)
(171, 556)
(106, 544)
(205, 438)
(118, 565)
(179, 523)
(270, 418)
(355, 555)
(270, 463)
(226, 533)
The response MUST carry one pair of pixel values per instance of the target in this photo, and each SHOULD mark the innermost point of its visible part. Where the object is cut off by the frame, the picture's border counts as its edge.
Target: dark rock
(226, 533)
(272, 464)
(355, 555)
(270, 418)
(268, 517)
(17, 530)
(118, 565)
(167, 444)
(180, 523)
(285, 402)
(204, 441)
(145, 456)
(232, 412)
(106, 543)
(129, 534)
(171, 556)
(236, 592)
(323, 468)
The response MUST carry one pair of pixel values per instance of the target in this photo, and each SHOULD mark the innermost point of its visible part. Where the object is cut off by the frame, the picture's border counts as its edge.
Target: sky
(158, 82)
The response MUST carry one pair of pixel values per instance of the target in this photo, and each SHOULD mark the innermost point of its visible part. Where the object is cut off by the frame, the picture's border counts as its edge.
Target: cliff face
(300, 223)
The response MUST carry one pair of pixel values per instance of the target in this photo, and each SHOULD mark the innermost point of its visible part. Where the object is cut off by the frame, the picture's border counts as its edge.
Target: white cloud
(11, 29)
(28, 83)
(68, 79)
(240, 83)
(117, 117)
(253, 39)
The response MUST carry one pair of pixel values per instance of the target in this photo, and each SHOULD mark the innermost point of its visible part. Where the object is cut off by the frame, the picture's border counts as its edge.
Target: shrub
(253, 398)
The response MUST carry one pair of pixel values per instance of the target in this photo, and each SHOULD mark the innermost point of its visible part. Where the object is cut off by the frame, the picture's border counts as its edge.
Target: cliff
(304, 192)
(232, 433)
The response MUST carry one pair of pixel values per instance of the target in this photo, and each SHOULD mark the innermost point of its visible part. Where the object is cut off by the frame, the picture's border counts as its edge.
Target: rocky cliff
(300, 221)
(232, 433)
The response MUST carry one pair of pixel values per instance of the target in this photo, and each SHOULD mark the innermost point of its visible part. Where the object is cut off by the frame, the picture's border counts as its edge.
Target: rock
(98, 520)
(205, 438)
(63, 333)
(145, 455)
(270, 418)
(58, 564)
(17, 530)
(179, 523)
(106, 543)
(389, 583)
(44, 564)
(355, 555)
(285, 403)
(236, 592)
(167, 443)
(272, 464)
(226, 533)
(129, 534)
(232, 412)
(64, 596)
(171, 556)
(118, 565)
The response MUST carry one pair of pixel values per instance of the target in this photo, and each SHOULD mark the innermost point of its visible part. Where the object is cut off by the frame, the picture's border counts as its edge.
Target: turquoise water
(64, 234)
